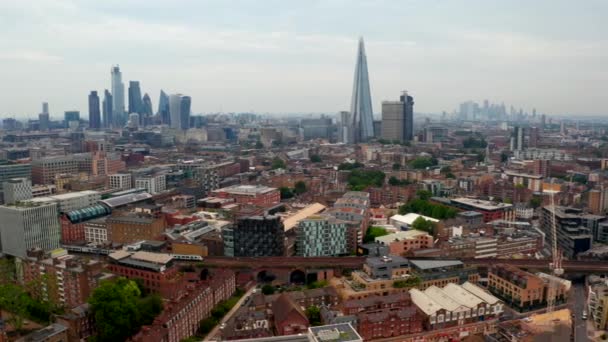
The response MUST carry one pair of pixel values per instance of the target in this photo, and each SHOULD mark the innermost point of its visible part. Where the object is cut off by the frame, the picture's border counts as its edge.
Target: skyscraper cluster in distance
(173, 110)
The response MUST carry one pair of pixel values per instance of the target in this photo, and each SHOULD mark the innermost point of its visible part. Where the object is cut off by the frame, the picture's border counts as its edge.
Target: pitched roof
(283, 306)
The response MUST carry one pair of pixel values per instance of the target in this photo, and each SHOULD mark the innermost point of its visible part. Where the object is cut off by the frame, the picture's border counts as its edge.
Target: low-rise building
(402, 242)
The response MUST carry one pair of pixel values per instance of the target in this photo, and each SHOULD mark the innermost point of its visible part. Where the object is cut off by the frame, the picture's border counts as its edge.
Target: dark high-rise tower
(108, 121)
(163, 108)
(94, 114)
(135, 103)
(398, 119)
(361, 102)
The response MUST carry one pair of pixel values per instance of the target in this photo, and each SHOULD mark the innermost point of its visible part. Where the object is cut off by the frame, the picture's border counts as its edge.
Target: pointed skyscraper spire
(361, 102)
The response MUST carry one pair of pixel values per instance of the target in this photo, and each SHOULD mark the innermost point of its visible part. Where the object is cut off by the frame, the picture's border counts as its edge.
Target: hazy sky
(299, 56)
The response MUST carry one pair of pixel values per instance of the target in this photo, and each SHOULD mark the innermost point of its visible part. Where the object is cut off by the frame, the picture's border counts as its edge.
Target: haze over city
(287, 56)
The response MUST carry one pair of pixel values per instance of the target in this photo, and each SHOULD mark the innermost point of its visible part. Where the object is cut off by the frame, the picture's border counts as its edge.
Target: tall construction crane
(556, 259)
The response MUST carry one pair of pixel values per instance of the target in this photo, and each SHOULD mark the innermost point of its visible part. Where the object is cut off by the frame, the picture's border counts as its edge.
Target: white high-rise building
(27, 225)
(17, 189)
(179, 110)
(120, 181)
(118, 94)
(152, 184)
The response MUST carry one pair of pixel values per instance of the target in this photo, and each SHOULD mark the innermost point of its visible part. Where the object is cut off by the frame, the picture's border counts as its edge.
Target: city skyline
(500, 51)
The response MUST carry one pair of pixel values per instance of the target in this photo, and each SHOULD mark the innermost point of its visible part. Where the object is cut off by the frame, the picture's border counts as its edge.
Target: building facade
(398, 119)
(321, 236)
(255, 236)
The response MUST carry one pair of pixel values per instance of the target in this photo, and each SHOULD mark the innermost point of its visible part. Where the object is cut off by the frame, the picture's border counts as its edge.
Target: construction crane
(556, 260)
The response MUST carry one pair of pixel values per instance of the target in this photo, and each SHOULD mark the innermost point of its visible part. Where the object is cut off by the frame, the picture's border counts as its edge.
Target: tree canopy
(472, 142)
(300, 187)
(360, 179)
(315, 158)
(423, 162)
(350, 166)
(426, 208)
(278, 163)
(373, 232)
(119, 309)
(424, 225)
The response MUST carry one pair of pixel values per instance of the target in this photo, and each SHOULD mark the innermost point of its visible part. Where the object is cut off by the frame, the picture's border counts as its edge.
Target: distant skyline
(290, 56)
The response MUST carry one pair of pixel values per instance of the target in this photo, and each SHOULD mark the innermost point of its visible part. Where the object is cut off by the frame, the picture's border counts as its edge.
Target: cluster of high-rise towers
(358, 125)
(173, 110)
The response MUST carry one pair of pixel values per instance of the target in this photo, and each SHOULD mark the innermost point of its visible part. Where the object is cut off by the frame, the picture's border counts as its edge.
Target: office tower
(316, 128)
(345, 130)
(255, 236)
(133, 121)
(94, 114)
(135, 103)
(120, 181)
(543, 121)
(517, 139)
(179, 108)
(45, 108)
(361, 102)
(27, 225)
(534, 137)
(17, 189)
(71, 116)
(163, 108)
(9, 171)
(43, 121)
(398, 118)
(118, 96)
(147, 109)
(107, 110)
(321, 236)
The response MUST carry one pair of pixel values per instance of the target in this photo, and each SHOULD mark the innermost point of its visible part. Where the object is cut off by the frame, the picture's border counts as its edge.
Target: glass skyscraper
(118, 96)
(361, 103)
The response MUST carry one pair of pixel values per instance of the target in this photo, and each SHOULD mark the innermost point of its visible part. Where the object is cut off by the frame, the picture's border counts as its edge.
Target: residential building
(398, 119)
(402, 242)
(131, 227)
(67, 280)
(250, 194)
(573, 236)
(122, 181)
(598, 303)
(53, 333)
(17, 189)
(289, 318)
(491, 210)
(520, 289)
(321, 236)
(255, 236)
(455, 305)
(157, 271)
(27, 225)
(442, 272)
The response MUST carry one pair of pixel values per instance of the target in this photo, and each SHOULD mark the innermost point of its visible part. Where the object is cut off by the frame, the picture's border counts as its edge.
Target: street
(577, 302)
(212, 335)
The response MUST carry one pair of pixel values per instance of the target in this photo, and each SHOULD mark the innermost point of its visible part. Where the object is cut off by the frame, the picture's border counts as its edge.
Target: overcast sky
(299, 56)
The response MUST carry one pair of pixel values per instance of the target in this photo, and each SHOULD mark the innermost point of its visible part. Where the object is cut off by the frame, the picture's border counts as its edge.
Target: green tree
(206, 325)
(535, 202)
(300, 187)
(278, 163)
(14, 300)
(445, 170)
(424, 225)
(471, 142)
(286, 192)
(317, 284)
(424, 194)
(504, 157)
(259, 145)
(411, 281)
(119, 310)
(423, 162)
(358, 180)
(396, 166)
(314, 315)
(372, 233)
(315, 158)
(268, 289)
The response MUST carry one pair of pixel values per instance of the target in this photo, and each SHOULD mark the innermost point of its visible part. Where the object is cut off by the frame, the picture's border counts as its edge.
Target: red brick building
(390, 322)
(289, 319)
(250, 194)
(157, 271)
(66, 280)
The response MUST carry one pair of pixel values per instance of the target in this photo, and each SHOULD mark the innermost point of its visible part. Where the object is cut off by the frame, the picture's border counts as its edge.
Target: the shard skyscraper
(361, 103)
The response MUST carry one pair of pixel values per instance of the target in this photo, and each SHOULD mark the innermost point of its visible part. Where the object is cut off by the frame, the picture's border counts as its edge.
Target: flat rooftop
(400, 236)
(294, 219)
(431, 264)
(246, 189)
(410, 218)
(343, 332)
(482, 204)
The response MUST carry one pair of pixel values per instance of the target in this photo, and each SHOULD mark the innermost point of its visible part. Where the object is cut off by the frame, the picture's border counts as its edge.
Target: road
(212, 336)
(578, 302)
